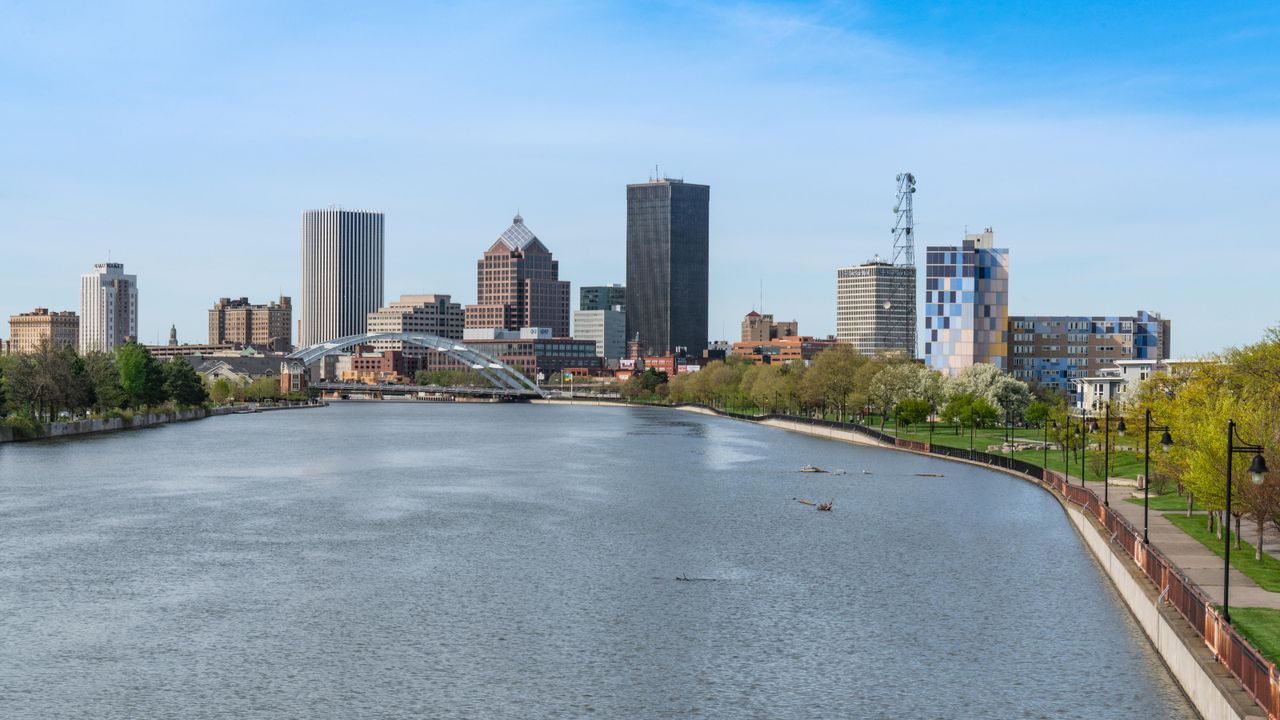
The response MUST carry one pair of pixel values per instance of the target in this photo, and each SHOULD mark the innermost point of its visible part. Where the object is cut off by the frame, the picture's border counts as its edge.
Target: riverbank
(50, 431)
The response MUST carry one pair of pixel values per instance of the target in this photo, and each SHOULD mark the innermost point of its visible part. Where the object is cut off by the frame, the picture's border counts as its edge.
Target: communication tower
(904, 256)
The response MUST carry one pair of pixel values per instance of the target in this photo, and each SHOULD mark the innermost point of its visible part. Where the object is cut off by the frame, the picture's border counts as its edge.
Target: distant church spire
(173, 336)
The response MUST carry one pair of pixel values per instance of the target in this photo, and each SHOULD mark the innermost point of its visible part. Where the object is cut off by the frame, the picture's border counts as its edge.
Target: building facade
(342, 254)
(1055, 351)
(762, 328)
(430, 314)
(876, 308)
(518, 285)
(668, 234)
(29, 330)
(108, 308)
(606, 328)
(781, 350)
(966, 317)
(602, 297)
(238, 322)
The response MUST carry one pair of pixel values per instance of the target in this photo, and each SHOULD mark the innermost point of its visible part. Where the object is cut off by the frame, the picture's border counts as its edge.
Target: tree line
(844, 383)
(58, 382)
(1195, 401)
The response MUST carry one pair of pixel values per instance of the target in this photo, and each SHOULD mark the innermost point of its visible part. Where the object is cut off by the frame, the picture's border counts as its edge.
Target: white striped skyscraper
(341, 273)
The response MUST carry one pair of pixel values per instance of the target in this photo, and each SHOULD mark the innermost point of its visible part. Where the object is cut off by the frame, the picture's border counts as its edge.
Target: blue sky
(1126, 153)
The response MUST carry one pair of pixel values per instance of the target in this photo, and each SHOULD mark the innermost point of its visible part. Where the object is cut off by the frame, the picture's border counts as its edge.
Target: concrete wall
(86, 427)
(1215, 693)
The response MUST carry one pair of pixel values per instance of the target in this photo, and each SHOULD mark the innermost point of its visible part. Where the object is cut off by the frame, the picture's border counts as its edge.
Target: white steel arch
(491, 368)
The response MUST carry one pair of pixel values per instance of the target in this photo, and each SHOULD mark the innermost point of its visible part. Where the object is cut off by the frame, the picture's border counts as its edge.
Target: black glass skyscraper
(667, 249)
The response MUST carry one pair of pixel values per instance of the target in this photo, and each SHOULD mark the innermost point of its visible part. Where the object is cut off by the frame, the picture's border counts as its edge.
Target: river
(520, 561)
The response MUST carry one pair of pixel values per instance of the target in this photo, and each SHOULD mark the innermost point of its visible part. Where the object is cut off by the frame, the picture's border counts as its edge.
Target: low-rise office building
(782, 350)
(29, 330)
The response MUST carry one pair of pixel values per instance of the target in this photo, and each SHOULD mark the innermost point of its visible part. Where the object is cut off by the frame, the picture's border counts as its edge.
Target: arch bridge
(508, 381)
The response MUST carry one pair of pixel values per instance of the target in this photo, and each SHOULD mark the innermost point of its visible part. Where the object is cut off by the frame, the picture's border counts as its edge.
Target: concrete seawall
(102, 425)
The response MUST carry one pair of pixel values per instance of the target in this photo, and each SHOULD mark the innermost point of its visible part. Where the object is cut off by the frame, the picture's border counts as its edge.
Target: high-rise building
(518, 285)
(1055, 350)
(763, 328)
(108, 308)
(429, 314)
(607, 328)
(341, 273)
(668, 235)
(29, 330)
(602, 297)
(876, 307)
(966, 316)
(266, 327)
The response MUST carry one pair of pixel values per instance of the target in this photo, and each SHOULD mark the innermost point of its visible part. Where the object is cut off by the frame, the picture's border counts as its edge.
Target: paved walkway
(1198, 562)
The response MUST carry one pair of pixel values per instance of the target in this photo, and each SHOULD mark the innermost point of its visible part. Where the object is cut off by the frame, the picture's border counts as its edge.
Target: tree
(831, 379)
(645, 385)
(141, 376)
(221, 390)
(957, 410)
(1037, 413)
(890, 386)
(104, 381)
(263, 388)
(1001, 390)
(912, 411)
(183, 384)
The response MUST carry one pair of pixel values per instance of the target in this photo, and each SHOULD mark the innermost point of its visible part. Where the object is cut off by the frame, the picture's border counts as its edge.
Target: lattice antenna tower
(904, 238)
(904, 256)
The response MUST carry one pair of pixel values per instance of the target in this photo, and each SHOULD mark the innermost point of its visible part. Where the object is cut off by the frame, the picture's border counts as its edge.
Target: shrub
(24, 428)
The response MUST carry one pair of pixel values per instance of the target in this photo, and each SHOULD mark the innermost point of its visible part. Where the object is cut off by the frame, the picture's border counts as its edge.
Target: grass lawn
(1165, 502)
(1265, 573)
(1261, 627)
(1124, 463)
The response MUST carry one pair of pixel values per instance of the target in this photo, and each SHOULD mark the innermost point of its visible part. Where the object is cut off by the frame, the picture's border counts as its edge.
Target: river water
(373, 560)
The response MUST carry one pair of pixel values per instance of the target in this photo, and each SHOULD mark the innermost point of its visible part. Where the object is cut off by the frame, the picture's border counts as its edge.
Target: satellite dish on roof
(887, 304)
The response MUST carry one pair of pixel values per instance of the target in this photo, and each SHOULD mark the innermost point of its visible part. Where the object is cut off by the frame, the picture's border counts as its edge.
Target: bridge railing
(1246, 664)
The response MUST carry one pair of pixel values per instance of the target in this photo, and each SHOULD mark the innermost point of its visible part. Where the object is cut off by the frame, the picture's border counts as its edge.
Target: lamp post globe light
(1257, 475)
(1166, 442)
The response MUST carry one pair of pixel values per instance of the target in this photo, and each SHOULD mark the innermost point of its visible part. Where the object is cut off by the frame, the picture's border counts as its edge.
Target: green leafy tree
(104, 382)
(263, 388)
(183, 384)
(1037, 413)
(141, 376)
(912, 411)
(221, 390)
(957, 410)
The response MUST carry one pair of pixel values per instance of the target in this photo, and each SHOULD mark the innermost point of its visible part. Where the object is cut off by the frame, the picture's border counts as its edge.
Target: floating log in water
(825, 507)
(929, 475)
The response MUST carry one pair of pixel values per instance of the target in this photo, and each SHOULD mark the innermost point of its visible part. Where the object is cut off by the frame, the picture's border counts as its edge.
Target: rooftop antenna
(762, 296)
(904, 241)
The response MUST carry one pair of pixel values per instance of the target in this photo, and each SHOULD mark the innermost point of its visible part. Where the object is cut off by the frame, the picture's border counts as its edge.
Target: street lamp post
(1046, 441)
(1084, 446)
(1257, 473)
(1106, 462)
(1166, 441)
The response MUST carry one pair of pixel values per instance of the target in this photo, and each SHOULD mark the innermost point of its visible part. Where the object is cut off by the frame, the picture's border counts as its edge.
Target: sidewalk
(1198, 562)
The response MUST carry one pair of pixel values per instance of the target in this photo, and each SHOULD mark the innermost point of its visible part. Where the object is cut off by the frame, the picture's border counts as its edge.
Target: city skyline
(1150, 162)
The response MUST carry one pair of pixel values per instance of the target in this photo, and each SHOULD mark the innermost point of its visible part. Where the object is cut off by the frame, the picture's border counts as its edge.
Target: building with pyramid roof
(518, 285)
